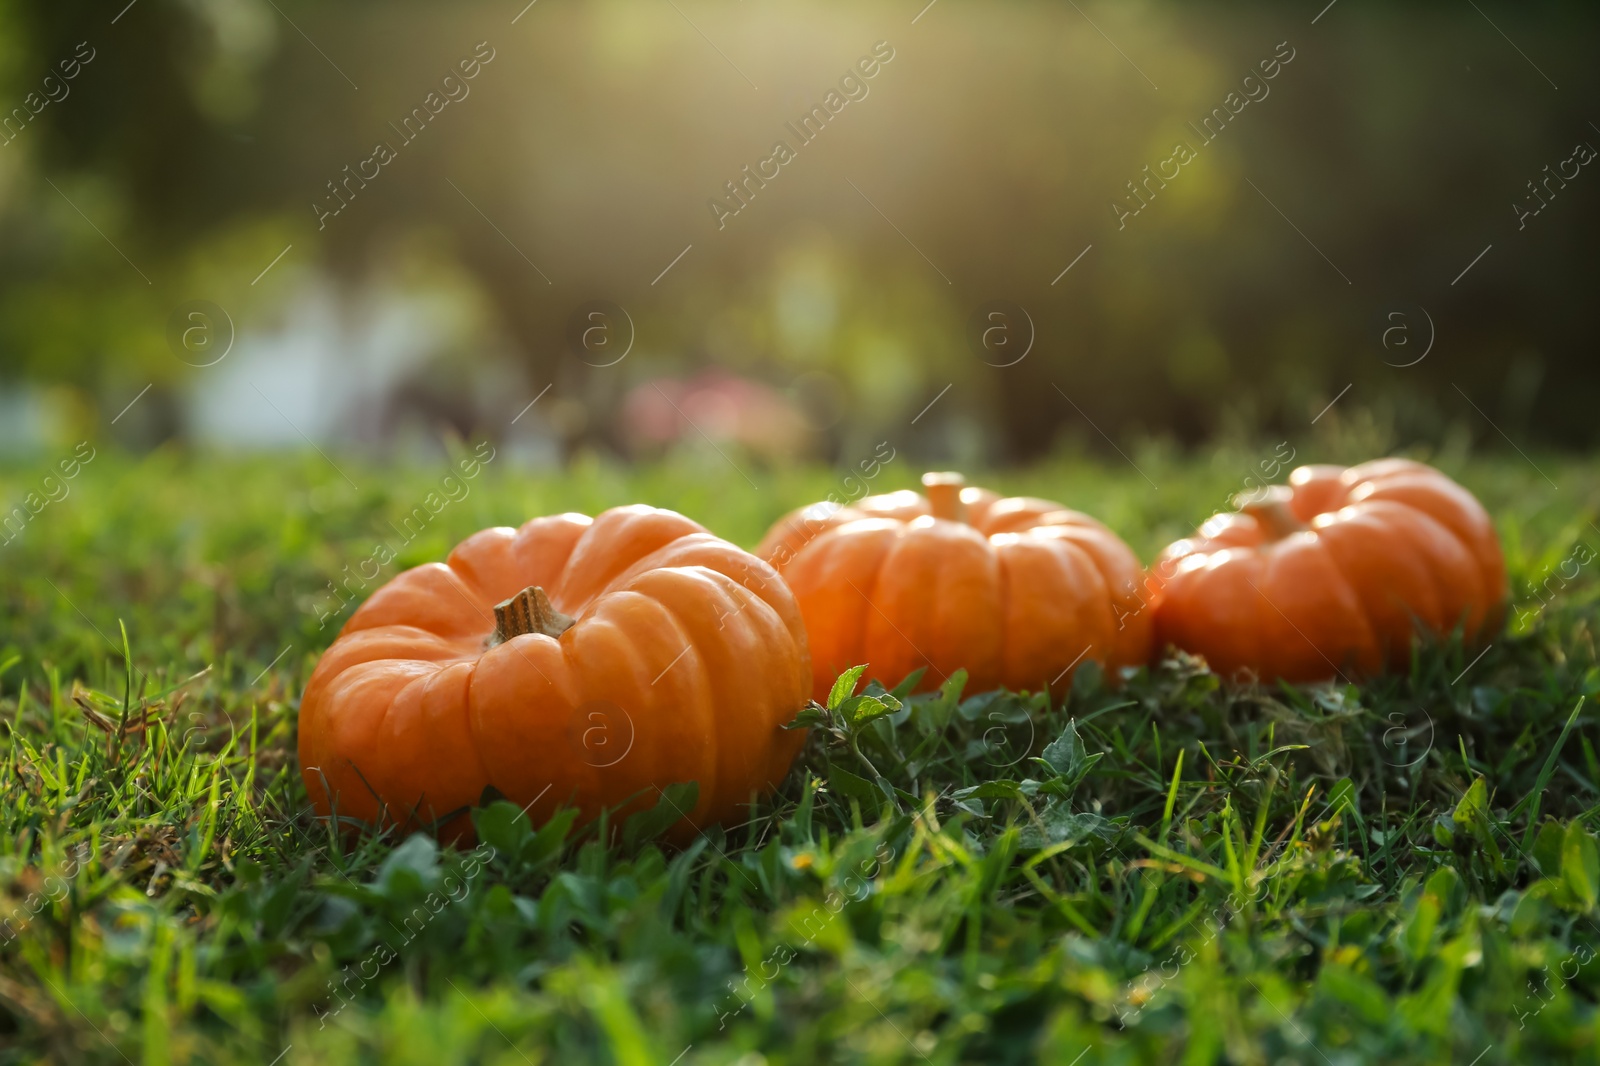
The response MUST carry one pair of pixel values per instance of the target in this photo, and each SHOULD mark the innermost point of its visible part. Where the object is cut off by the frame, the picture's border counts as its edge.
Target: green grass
(1159, 872)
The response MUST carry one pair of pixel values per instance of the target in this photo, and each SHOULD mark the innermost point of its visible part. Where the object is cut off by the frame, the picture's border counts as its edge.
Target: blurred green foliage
(986, 156)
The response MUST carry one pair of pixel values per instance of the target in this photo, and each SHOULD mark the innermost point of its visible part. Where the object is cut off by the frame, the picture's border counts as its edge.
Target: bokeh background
(1332, 234)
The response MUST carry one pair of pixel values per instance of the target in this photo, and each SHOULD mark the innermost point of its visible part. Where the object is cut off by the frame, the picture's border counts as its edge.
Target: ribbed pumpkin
(574, 660)
(1333, 575)
(1017, 591)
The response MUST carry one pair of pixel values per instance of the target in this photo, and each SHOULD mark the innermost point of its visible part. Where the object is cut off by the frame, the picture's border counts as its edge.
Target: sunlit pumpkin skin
(1334, 575)
(1017, 591)
(678, 657)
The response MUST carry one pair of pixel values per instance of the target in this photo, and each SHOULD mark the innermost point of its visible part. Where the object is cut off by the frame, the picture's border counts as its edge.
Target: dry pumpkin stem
(1270, 509)
(529, 611)
(944, 495)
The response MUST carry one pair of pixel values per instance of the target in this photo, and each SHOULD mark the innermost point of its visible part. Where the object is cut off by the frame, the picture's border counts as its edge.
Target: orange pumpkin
(574, 660)
(1017, 591)
(1333, 575)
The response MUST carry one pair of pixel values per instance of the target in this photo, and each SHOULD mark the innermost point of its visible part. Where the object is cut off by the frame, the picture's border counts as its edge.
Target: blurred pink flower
(724, 407)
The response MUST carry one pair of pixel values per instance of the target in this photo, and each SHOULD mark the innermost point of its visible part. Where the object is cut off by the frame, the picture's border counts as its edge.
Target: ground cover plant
(1172, 870)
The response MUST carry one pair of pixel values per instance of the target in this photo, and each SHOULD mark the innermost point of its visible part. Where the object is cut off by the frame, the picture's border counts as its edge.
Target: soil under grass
(1169, 870)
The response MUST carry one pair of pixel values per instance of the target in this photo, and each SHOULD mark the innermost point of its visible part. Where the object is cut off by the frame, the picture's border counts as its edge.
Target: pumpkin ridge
(870, 607)
(869, 604)
(662, 704)
(1265, 622)
(1342, 533)
(476, 740)
(769, 624)
(833, 546)
(1100, 561)
(1103, 598)
(740, 598)
(400, 596)
(635, 524)
(466, 723)
(733, 590)
(1457, 511)
(661, 558)
(494, 541)
(1077, 566)
(337, 717)
(1441, 584)
(1464, 616)
(647, 562)
(1002, 599)
(573, 689)
(381, 771)
(1358, 611)
(485, 559)
(1492, 572)
(982, 653)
